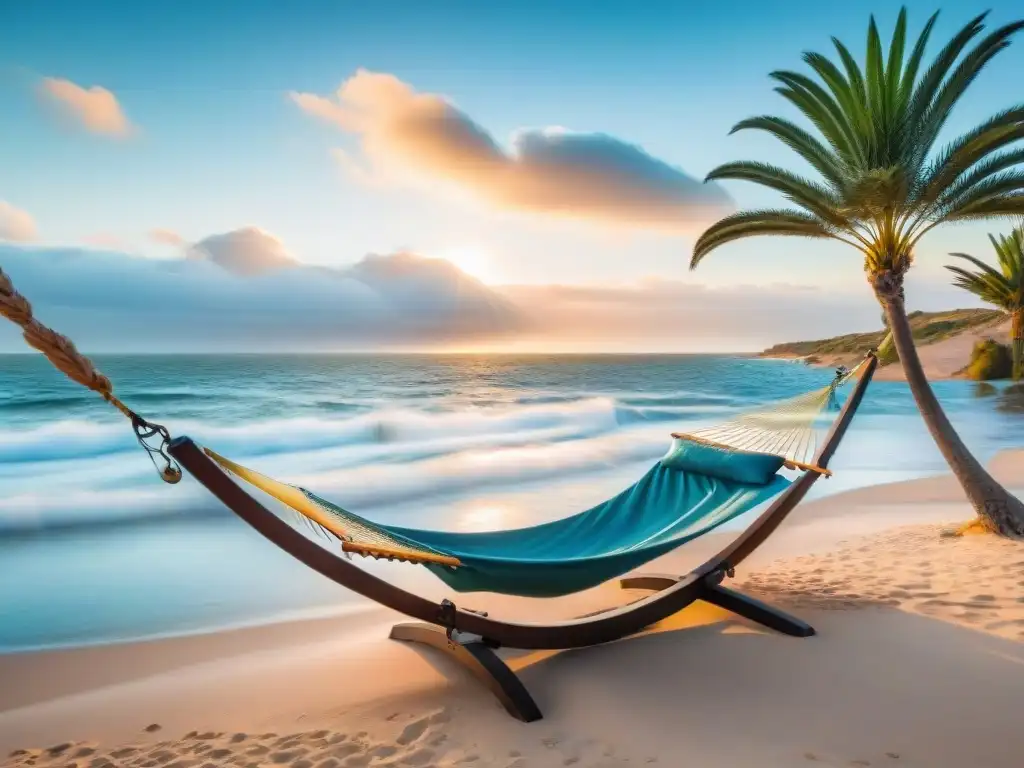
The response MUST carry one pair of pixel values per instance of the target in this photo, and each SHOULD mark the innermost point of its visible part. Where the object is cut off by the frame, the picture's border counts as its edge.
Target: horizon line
(421, 353)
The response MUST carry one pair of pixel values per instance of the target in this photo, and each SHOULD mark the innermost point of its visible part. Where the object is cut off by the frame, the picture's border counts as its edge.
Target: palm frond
(816, 198)
(941, 105)
(926, 88)
(914, 62)
(746, 224)
(976, 145)
(800, 141)
(982, 171)
(823, 110)
(998, 193)
(1001, 287)
(874, 72)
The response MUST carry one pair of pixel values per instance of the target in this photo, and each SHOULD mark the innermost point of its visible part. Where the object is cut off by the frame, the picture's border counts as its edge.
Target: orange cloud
(166, 237)
(246, 251)
(664, 315)
(551, 171)
(96, 108)
(105, 240)
(15, 224)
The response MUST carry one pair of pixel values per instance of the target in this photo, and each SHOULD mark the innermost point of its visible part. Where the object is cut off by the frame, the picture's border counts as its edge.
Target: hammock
(662, 511)
(666, 508)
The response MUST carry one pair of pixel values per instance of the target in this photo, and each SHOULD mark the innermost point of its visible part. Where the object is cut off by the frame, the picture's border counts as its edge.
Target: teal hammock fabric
(663, 510)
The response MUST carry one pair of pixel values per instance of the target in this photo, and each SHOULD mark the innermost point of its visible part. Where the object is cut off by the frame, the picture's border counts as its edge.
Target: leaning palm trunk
(1017, 335)
(998, 511)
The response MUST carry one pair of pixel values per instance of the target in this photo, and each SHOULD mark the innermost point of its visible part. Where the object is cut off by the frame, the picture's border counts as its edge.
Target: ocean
(94, 548)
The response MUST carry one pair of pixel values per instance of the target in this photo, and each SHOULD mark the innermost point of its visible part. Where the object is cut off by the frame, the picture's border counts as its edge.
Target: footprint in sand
(413, 731)
(422, 756)
(439, 717)
(344, 750)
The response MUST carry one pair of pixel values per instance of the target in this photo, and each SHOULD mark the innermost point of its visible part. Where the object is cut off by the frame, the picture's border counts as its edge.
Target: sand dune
(943, 359)
(919, 661)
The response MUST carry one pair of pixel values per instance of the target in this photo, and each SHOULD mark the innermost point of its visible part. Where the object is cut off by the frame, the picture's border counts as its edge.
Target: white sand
(919, 662)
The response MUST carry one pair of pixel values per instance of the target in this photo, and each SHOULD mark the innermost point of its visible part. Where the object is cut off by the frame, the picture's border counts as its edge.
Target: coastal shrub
(990, 360)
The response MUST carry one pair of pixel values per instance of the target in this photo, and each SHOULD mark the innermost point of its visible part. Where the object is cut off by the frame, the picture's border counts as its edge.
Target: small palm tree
(881, 184)
(1003, 287)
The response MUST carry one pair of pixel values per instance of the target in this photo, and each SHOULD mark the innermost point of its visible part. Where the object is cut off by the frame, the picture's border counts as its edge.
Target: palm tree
(881, 184)
(1003, 287)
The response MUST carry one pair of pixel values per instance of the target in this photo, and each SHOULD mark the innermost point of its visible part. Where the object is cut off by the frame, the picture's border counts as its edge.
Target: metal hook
(171, 472)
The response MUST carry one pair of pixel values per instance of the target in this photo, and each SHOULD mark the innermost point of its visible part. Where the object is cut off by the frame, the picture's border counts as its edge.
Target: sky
(212, 156)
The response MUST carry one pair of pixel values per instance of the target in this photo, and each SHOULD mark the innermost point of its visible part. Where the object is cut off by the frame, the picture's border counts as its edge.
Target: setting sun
(472, 260)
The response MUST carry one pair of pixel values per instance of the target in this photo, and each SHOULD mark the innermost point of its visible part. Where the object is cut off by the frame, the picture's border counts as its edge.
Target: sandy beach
(919, 661)
(941, 360)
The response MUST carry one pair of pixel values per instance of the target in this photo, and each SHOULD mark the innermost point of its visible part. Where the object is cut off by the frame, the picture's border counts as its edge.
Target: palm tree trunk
(997, 510)
(1017, 335)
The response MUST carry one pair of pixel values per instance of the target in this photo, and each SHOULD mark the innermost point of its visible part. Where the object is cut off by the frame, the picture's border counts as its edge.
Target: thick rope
(59, 349)
(61, 352)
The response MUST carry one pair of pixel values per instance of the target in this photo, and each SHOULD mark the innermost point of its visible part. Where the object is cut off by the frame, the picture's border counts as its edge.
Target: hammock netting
(666, 508)
(784, 428)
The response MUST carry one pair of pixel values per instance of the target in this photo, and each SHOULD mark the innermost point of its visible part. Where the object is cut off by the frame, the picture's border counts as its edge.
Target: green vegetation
(927, 328)
(1003, 287)
(990, 360)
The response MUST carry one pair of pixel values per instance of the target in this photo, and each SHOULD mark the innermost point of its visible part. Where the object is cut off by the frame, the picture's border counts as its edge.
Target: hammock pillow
(745, 467)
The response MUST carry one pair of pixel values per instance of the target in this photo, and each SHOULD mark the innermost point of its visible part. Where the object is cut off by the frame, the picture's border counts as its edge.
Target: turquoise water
(94, 548)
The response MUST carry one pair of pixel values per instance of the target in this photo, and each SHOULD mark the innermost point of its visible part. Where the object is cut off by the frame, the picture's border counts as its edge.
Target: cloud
(15, 224)
(96, 108)
(551, 171)
(105, 240)
(246, 251)
(675, 315)
(236, 301)
(166, 237)
(225, 299)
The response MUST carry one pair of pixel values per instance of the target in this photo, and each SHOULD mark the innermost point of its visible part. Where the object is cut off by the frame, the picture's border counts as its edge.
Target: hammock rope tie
(61, 352)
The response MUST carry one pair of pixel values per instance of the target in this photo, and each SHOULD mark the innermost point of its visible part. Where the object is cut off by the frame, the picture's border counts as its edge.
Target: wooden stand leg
(753, 609)
(479, 658)
(729, 599)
